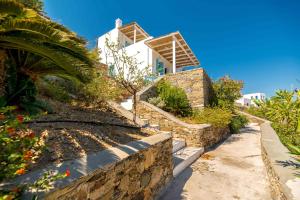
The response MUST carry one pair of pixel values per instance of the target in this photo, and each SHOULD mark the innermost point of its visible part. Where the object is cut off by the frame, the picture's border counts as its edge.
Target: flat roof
(128, 30)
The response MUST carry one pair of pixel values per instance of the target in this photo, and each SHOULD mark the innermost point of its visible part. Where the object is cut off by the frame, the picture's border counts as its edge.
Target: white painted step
(185, 157)
(178, 144)
(154, 126)
(127, 104)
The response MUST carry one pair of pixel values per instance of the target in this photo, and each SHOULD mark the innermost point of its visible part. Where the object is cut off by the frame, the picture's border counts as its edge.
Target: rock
(146, 177)
(124, 183)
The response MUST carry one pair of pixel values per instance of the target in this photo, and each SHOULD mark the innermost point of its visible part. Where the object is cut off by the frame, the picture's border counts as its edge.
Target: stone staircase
(184, 156)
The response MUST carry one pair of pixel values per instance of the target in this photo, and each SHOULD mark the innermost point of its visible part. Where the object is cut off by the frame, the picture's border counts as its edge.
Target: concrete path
(233, 170)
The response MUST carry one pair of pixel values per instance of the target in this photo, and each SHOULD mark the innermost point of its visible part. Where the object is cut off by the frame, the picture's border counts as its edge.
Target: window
(111, 70)
(126, 43)
(256, 97)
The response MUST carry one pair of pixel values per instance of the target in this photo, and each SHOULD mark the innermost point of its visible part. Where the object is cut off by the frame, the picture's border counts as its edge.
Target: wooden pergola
(174, 48)
(134, 32)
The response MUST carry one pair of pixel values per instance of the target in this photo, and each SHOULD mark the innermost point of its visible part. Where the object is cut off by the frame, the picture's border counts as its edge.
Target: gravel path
(233, 170)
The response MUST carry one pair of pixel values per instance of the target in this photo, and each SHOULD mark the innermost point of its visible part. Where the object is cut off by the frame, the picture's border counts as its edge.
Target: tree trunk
(134, 107)
(2, 72)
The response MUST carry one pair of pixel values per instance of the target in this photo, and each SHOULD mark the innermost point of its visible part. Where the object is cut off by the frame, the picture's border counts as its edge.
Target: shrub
(19, 148)
(226, 91)
(283, 110)
(237, 122)
(157, 101)
(175, 99)
(101, 87)
(215, 116)
(256, 111)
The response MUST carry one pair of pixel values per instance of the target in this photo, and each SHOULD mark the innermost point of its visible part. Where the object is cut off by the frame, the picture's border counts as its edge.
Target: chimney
(118, 23)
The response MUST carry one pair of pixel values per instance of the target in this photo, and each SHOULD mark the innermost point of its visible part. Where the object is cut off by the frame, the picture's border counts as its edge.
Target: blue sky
(257, 41)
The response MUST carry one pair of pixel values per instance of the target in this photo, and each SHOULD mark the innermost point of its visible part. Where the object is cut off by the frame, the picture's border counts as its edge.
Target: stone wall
(195, 83)
(198, 135)
(139, 170)
(139, 175)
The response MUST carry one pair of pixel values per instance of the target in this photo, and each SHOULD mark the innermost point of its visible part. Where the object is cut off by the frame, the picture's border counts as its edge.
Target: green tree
(128, 72)
(34, 48)
(283, 110)
(227, 91)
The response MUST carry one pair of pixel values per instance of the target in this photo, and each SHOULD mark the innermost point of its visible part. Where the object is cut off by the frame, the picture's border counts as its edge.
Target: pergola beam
(173, 48)
(185, 50)
(174, 54)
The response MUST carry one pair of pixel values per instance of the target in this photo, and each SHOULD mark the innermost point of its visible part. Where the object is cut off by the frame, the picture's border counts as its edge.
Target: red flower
(28, 155)
(20, 171)
(20, 118)
(68, 173)
(2, 117)
(31, 135)
(11, 130)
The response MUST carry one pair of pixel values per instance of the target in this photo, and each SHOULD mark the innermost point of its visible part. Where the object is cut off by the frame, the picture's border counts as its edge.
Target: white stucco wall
(249, 99)
(144, 55)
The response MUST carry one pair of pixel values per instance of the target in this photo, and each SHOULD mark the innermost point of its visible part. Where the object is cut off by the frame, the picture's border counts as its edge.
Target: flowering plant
(19, 148)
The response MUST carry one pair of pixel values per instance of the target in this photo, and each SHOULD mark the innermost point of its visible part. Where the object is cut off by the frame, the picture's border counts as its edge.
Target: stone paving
(232, 170)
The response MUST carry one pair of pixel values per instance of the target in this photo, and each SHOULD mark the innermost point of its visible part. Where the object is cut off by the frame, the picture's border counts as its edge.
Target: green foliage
(226, 91)
(35, 47)
(237, 122)
(55, 90)
(21, 91)
(283, 110)
(157, 101)
(256, 111)
(18, 146)
(101, 87)
(174, 98)
(215, 116)
(33, 4)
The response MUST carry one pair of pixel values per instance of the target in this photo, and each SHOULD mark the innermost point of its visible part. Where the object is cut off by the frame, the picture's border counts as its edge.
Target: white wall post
(134, 34)
(174, 55)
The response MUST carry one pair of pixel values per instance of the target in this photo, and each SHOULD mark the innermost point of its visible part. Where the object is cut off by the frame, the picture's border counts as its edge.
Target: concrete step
(178, 144)
(185, 157)
(127, 104)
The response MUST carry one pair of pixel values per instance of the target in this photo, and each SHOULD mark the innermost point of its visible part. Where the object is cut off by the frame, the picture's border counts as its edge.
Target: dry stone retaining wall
(196, 84)
(198, 135)
(138, 175)
(139, 170)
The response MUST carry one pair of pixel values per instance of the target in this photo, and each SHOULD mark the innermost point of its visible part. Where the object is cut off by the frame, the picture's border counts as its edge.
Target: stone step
(154, 126)
(185, 157)
(146, 122)
(178, 144)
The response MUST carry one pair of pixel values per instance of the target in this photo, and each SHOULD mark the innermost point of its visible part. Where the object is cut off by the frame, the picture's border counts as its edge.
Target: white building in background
(165, 54)
(249, 99)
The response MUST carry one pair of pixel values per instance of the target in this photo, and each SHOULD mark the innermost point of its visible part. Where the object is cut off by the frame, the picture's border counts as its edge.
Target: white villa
(165, 54)
(248, 99)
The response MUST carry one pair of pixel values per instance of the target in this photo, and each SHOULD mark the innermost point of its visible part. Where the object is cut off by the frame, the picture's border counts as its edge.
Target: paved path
(233, 170)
